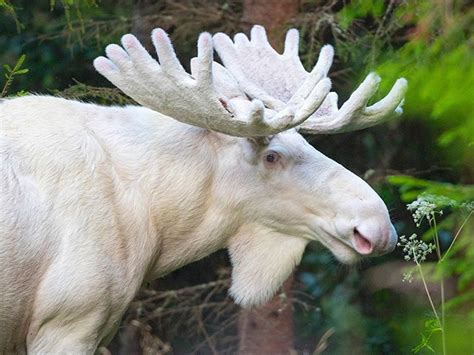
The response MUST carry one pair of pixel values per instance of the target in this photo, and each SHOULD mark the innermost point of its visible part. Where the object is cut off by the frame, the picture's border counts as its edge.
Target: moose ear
(261, 261)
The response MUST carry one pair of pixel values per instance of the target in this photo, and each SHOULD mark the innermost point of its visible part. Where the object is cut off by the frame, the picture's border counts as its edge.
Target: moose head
(279, 192)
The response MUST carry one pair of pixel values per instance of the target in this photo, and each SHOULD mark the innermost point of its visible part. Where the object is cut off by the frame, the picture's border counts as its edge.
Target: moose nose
(374, 242)
(362, 244)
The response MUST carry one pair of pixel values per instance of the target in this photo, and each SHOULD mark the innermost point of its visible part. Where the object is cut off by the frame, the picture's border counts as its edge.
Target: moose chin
(97, 200)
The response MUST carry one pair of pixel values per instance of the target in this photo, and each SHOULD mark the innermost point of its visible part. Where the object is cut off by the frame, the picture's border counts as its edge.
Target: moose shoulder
(96, 200)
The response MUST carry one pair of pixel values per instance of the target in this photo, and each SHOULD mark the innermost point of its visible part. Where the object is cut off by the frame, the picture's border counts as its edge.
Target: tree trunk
(272, 14)
(269, 329)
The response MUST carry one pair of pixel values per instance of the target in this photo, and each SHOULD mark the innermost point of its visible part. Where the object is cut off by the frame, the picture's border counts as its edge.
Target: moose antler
(201, 99)
(275, 78)
(354, 113)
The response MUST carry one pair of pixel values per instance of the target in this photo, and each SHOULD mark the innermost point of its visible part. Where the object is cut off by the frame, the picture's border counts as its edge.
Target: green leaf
(19, 62)
(411, 187)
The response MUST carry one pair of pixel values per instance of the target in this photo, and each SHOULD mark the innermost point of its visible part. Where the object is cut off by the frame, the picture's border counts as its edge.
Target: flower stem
(456, 236)
(420, 270)
(438, 252)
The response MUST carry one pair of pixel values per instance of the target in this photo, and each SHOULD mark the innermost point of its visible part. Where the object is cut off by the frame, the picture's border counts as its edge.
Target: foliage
(10, 74)
(441, 78)
(103, 95)
(359, 9)
(10, 10)
(448, 194)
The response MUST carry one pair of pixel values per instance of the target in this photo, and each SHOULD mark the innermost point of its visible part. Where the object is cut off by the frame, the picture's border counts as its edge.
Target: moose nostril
(362, 244)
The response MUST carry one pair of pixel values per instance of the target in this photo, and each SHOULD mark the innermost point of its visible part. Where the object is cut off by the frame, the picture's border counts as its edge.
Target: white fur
(96, 200)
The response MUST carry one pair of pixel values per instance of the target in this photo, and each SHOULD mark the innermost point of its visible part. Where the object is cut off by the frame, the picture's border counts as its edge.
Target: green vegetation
(427, 207)
(10, 74)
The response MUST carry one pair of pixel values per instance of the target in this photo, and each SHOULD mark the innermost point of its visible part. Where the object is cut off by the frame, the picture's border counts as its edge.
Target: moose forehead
(292, 146)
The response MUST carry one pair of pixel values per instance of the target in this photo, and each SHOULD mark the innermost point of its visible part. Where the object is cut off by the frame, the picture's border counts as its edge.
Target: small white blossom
(415, 249)
(408, 276)
(468, 206)
(422, 208)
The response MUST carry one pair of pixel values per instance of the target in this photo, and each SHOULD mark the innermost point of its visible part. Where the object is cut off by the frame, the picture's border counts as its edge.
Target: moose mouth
(351, 245)
(341, 249)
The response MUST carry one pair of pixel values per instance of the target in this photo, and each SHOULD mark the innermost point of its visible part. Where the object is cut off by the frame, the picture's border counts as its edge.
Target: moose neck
(204, 215)
(169, 172)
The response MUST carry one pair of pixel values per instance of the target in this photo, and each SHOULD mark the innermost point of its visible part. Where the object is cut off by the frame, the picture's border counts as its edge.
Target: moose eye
(271, 157)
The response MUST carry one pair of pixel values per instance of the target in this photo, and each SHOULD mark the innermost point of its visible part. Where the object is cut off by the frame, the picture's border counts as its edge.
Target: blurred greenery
(429, 150)
(411, 188)
(435, 61)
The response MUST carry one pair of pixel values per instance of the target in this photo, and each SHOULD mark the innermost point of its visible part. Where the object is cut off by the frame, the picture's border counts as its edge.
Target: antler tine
(354, 114)
(319, 72)
(292, 42)
(199, 100)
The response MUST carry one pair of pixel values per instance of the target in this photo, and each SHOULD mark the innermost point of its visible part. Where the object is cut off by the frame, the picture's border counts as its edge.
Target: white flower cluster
(422, 208)
(408, 276)
(468, 206)
(415, 249)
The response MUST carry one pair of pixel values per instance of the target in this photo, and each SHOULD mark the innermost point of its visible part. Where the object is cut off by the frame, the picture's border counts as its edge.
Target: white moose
(96, 200)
